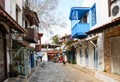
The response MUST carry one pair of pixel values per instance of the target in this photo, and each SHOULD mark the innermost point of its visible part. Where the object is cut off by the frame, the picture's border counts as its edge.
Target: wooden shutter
(115, 55)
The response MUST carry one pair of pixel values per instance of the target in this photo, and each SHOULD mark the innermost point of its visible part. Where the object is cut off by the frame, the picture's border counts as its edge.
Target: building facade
(17, 20)
(98, 50)
(67, 54)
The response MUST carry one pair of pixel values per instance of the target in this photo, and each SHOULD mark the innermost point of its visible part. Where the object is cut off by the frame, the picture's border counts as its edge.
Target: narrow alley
(83, 33)
(57, 72)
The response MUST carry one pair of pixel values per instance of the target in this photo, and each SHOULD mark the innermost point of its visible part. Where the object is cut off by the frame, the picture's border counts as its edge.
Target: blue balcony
(80, 19)
(78, 31)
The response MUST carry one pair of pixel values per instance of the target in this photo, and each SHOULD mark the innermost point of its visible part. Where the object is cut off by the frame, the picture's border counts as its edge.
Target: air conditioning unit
(115, 9)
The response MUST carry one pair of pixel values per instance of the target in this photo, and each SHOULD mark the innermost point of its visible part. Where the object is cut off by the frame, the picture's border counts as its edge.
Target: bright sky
(63, 10)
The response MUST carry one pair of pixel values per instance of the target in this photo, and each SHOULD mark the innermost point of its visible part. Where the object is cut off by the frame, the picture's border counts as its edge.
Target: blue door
(32, 60)
(95, 58)
(86, 56)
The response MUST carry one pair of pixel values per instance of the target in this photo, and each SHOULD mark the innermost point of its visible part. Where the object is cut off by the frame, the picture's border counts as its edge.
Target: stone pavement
(83, 69)
(23, 79)
(57, 72)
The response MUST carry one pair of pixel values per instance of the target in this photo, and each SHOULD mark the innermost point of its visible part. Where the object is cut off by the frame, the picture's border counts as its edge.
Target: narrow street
(57, 72)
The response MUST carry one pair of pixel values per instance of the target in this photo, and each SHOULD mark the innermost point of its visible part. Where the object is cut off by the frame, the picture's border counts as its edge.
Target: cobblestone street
(57, 72)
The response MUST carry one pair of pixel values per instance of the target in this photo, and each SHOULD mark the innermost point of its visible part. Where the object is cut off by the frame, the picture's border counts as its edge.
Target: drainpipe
(26, 3)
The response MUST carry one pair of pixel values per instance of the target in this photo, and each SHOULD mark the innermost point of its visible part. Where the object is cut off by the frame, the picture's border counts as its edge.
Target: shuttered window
(93, 15)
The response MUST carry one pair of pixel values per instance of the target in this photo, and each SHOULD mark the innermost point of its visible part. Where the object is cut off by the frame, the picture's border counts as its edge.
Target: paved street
(57, 72)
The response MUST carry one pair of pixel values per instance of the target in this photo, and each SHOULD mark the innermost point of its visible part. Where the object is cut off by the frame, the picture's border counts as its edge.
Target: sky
(63, 9)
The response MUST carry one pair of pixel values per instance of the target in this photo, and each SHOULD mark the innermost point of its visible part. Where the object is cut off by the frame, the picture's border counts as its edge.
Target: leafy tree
(46, 13)
(55, 39)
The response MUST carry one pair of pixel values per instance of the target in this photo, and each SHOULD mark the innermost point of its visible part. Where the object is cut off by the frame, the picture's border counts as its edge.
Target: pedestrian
(64, 62)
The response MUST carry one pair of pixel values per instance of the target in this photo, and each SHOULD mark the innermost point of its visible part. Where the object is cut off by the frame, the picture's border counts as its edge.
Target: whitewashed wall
(101, 52)
(102, 18)
(101, 8)
(10, 7)
(91, 55)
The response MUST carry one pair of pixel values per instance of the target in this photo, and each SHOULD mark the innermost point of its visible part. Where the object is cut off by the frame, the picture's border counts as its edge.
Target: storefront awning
(5, 17)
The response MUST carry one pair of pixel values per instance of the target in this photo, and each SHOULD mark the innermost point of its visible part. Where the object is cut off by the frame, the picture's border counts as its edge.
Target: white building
(9, 24)
(95, 50)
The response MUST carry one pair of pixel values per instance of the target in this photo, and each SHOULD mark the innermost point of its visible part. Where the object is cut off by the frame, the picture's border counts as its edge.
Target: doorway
(95, 57)
(2, 57)
(86, 56)
(115, 55)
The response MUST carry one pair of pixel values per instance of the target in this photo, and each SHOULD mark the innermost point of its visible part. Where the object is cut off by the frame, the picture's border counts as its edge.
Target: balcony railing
(78, 31)
(2, 4)
(31, 16)
(32, 35)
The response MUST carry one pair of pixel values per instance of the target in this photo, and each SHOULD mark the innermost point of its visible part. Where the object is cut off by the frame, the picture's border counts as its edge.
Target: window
(75, 15)
(109, 8)
(26, 24)
(95, 57)
(84, 19)
(16, 15)
(17, 12)
(80, 56)
(93, 15)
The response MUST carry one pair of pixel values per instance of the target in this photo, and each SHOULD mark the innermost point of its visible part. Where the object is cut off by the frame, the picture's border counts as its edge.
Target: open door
(2, 58)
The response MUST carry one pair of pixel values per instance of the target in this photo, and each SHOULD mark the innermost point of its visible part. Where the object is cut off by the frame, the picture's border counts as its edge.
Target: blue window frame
(93, 15)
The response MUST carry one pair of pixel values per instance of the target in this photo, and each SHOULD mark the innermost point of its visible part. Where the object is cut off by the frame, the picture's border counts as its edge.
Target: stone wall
(109, 33)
